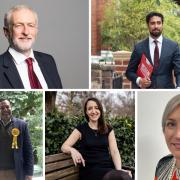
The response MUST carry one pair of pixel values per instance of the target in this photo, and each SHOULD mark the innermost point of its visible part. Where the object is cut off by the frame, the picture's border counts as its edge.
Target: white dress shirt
(22, 67)
(152, 46)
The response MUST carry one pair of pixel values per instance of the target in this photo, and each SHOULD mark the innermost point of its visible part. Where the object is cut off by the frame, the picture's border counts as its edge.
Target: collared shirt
(22, 67)
(5, 124)
(152, 46)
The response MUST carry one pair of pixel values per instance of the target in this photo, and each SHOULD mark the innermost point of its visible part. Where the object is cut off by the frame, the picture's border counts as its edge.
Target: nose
(25, 30)
(177, 132)
(93, 110)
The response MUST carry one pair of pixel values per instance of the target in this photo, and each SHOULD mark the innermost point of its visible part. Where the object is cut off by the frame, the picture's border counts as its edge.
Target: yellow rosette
(15, 132)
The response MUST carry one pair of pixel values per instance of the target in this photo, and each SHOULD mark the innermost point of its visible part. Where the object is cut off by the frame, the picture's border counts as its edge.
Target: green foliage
(124, 22)
(29, 107)
(124, 129)
(58, 128)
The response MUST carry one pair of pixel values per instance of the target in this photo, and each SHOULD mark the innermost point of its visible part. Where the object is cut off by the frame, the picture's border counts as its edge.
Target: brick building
(97, 7)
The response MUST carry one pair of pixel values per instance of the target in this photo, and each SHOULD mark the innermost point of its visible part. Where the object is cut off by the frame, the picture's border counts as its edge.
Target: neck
(24, 52)
(154, 37)
(93, 125)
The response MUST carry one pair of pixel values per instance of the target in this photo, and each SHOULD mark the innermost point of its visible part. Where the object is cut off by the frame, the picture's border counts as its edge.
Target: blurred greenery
(29, 107)
(124, 23)
(59, 126)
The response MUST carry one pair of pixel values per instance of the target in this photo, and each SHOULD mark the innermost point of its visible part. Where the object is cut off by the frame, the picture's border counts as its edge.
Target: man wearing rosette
(16, 154)
(162, 54)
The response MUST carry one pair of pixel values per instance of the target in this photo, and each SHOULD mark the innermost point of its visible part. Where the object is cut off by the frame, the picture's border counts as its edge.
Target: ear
(6, 32)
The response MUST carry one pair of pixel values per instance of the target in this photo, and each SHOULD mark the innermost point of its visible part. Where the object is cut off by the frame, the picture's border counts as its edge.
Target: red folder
(144, 68)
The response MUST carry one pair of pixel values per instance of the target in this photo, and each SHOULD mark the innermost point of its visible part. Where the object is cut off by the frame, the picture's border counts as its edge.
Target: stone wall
(121, 59)
(102, 74)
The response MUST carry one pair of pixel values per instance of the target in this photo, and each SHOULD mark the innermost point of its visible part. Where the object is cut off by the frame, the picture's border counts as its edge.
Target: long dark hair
(102, 125)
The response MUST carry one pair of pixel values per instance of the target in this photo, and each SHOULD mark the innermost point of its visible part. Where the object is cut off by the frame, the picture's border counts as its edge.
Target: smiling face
(172, 132)
(92, 110)
(22, 31)
(5, 110)
(155, 26)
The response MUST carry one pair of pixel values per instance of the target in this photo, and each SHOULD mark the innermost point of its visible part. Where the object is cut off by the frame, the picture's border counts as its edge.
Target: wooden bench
(61, 166)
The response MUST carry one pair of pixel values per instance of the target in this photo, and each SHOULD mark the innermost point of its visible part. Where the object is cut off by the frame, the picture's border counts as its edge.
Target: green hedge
(58, 128)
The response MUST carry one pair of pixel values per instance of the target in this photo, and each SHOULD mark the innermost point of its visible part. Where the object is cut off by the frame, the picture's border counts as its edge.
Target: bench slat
(56, 157)
(63, 173)
(72, 177)
(59, 165)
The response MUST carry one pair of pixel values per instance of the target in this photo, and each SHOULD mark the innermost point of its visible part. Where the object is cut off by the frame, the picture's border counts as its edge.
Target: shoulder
(5, 55)
(109, 128)
(142, 42)
(163, 163)
(20, 122)
(81, 127)
(42, 55)
(169, 42)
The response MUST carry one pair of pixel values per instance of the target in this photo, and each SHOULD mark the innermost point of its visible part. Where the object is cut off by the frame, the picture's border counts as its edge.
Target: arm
(27, 154)
(176, 62)
(114, 151)
(67, 147)
(133, 67)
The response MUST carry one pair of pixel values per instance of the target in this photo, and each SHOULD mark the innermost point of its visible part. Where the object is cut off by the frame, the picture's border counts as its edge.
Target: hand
(144, 83)
(127, 171)
(77, 157)
(28, 178)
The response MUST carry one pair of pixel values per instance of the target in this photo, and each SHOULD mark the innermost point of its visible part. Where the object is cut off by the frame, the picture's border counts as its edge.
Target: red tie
(156, 55)
(34, 82)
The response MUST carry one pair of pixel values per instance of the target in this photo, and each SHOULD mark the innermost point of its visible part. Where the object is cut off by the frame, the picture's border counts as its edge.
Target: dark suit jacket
(169, 60)
(9, 76)
(23, 156)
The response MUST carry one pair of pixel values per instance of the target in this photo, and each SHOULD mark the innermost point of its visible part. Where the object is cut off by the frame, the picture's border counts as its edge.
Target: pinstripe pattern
(166, 169)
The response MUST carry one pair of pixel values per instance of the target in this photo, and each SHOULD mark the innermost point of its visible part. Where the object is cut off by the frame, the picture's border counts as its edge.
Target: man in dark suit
(20, 66)
(162, 53)
(16, 154)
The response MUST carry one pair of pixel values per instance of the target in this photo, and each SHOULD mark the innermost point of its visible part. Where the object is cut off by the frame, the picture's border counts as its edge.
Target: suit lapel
(146, 50)
(43, 69)
(163, 50)
(10, 71)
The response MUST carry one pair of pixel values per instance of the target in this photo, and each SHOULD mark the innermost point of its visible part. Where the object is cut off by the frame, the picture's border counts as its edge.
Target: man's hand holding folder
(144, 71)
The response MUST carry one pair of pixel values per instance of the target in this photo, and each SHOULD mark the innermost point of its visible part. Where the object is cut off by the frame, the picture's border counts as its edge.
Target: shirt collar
(159, 39)
(5, 124)
(19, 57)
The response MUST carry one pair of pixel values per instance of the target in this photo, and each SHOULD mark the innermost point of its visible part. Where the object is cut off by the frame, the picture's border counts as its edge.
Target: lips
(176, 145)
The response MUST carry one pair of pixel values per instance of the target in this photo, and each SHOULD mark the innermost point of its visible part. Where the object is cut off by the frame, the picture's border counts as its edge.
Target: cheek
(34, 33)
(168, 135)
(15, 34)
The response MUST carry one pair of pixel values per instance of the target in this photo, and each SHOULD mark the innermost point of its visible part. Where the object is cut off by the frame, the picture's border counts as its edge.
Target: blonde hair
(170, 107)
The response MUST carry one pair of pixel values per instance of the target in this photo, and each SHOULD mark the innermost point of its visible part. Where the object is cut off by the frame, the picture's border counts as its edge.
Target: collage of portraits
(90, 90)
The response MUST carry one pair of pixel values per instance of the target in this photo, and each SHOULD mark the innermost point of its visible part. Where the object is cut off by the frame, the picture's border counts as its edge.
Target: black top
(94, 147)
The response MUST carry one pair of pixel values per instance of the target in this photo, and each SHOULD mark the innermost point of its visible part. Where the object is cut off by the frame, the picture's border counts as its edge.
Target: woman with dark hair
(98, 153)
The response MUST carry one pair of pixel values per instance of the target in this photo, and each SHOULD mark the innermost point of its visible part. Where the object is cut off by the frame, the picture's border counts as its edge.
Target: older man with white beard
(20, 66)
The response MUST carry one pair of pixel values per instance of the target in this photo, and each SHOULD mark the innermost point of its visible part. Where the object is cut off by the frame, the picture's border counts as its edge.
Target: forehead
(91, 103)
(5, 103)
(175, 114)
(23, 15)
(155, 18)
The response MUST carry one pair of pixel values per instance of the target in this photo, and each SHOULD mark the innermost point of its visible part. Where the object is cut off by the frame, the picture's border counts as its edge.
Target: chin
(23, 47)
